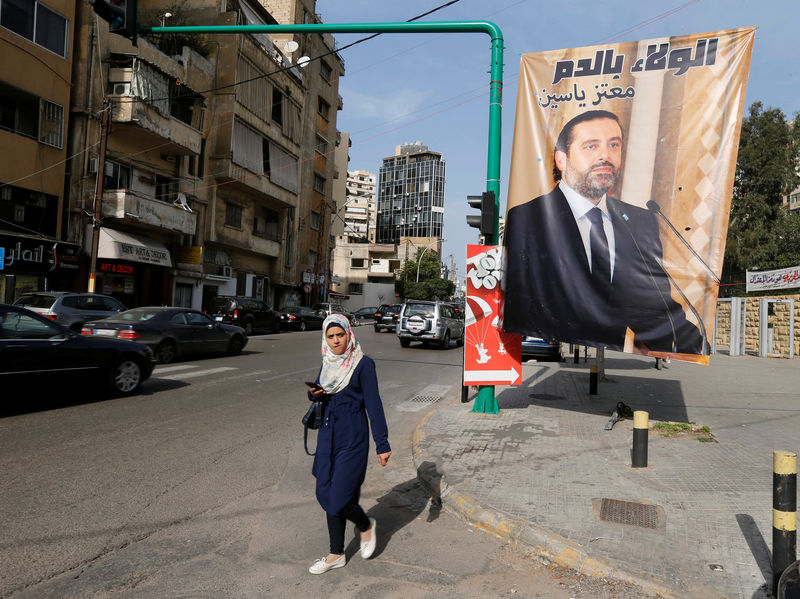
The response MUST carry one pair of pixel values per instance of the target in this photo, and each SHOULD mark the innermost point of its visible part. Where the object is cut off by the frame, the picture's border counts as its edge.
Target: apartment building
(360, 207)
(36, 46)
(410, 194)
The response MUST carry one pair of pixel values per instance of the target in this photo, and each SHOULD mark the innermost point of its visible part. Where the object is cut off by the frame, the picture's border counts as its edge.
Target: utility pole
(98, 192)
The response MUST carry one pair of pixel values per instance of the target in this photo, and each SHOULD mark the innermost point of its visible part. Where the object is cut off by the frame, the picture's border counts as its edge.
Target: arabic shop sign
(783, 278)
(24, 254)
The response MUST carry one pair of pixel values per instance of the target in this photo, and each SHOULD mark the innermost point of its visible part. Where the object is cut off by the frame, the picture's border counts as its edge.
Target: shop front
(29, 263)
(133, 269)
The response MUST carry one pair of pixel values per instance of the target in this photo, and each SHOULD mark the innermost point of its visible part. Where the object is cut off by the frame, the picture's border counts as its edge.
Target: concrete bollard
(593, 379)
(639, 452)
(784, 513)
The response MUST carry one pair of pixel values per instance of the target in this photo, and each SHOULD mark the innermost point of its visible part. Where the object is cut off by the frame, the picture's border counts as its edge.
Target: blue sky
(434, 88)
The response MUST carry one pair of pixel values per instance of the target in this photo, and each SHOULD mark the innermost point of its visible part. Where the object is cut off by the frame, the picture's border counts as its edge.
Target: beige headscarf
(337, 370)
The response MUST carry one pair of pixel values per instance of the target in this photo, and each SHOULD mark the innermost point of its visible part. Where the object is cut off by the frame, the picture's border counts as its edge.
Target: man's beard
(590, 184)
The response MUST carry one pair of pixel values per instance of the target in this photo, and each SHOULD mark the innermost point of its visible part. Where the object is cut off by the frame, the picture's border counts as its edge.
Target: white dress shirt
(580, 206)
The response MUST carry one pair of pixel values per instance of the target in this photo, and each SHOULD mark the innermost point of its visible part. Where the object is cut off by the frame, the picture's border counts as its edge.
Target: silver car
(70, 309)
(429, 322)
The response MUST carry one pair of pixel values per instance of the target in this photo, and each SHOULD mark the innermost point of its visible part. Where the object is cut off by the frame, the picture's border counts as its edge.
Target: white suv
(429, 322)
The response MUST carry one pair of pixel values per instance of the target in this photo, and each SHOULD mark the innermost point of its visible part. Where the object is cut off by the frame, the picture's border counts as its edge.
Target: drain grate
(633, 513)
(426, 398)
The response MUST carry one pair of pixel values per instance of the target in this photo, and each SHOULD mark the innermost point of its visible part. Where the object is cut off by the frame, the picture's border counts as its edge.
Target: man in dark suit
(585, 267)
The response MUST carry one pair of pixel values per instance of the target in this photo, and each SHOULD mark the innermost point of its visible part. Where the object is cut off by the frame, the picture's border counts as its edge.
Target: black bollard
(593, 379)
(577, 355)
(784, 513)
(639, 451)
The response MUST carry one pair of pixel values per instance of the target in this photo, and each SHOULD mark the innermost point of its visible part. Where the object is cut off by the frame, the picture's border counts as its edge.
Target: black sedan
(300, 318)
(170, 332)
(34, 349)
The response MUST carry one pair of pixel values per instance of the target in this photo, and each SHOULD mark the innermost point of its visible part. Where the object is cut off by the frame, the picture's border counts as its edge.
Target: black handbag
(312, 420)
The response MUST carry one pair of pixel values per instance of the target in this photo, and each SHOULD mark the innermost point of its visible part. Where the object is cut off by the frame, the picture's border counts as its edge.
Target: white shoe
(368, 547)
(321, 566)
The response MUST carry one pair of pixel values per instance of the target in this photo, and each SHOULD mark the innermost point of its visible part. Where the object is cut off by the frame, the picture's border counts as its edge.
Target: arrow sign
(491, 376)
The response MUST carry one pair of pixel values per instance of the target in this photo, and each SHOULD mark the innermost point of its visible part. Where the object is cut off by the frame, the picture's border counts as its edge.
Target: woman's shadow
(402, 505)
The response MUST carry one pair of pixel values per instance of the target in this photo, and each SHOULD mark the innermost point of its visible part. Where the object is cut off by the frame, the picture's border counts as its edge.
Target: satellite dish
(303, 61)
(291, 46)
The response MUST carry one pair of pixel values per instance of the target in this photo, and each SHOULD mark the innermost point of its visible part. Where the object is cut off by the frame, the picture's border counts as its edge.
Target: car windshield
(138, 314)
(35, 301)
(419, 310)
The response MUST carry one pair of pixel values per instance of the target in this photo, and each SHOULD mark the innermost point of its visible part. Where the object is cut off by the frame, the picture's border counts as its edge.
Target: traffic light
(488, 217)
(120, 14)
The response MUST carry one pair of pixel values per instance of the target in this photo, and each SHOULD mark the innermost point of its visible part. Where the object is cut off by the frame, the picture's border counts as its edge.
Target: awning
(116, 245)
(337, 295)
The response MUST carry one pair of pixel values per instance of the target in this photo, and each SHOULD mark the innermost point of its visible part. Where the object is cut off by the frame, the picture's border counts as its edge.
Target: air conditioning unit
(227, 271)
(121, 89)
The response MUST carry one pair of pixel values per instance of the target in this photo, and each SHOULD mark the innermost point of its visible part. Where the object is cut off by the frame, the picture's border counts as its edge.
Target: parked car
(536, 347)
(70, 309)
(170, 332)
(333, 308)
(429, 322)
(301, 318)
(35, 349)
(247, 312)
(366, 314)
(386, 317)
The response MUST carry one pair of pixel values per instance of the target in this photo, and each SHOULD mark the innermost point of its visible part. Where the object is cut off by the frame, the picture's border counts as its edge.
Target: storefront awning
(337, 295)
(116, 245)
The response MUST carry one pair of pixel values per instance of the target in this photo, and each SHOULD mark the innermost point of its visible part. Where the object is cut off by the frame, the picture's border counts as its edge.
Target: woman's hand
(384, 457)
(317, 392)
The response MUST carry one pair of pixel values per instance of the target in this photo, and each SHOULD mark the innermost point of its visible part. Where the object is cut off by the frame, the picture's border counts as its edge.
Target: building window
(324, 70)
(277, 106)
(323, 108)
(312, 258)
(183, 295)
(31, 116)
(51, 124)
(167, 188)
(355, 288)
(117, 176)
(315, 220)
(233, 215)
(319, 184)
(357, 263)
(322, 145)
(36, 22)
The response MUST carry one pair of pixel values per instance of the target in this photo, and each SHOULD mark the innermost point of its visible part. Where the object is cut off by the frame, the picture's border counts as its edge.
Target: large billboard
(619, 194)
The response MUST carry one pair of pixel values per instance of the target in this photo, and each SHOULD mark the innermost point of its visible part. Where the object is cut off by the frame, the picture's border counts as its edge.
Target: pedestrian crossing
(188, 371)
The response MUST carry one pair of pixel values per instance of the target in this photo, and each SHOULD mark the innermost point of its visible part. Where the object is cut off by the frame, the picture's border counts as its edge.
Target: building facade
(410, 194)
(36, 46)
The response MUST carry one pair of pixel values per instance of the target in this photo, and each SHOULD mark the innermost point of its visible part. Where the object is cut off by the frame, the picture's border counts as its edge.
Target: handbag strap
(318, 416)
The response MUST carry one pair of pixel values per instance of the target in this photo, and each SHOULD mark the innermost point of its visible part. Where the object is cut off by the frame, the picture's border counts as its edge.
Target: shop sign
(308, 276)
(26, 254)
(115, 268)
(190, 254)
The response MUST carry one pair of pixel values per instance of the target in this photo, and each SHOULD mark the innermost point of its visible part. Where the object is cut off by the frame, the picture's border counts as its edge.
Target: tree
(430, 285)
(763, 233)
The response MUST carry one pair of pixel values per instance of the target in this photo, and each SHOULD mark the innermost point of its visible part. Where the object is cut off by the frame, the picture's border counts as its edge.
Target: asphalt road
(199, 487)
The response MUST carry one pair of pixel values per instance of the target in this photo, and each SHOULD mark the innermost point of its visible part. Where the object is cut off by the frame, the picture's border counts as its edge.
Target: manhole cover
(633, 513)
(426, 398)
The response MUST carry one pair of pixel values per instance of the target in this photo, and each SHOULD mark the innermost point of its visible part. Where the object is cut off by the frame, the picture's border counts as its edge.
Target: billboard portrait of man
(591, 258)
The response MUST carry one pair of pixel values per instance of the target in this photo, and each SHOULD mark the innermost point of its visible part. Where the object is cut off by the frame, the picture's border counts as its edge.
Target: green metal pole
(485, 402)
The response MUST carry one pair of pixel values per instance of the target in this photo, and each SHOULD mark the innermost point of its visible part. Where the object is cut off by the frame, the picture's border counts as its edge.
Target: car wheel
(446, 340)
(460, 341)
(405, 342)
(236, 345)
(302, 325)
(248, 327)
(166, 351)
(126, 376)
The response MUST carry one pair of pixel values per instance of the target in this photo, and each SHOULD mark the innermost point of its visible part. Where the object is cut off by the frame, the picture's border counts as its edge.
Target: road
(199, 487)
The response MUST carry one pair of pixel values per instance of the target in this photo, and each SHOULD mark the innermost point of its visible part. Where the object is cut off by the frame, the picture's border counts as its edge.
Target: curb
(523, 534)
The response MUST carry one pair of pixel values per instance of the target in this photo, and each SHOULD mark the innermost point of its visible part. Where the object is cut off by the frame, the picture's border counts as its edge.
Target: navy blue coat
(340, 464)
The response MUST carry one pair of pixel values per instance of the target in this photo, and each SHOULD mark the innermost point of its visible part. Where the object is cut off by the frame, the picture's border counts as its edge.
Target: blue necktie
(598, 244)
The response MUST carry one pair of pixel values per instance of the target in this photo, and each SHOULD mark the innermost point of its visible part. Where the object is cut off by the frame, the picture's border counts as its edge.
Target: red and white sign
(491, 356)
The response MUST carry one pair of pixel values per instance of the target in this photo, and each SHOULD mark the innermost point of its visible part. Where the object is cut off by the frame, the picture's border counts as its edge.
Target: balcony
(243, 179)
(152, 128)
(124, 205)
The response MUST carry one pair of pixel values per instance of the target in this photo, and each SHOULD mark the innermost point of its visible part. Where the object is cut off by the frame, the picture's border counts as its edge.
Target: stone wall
(778, 320)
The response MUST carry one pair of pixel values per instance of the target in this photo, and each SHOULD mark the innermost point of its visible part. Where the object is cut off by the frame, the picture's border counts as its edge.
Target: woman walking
(349, 387)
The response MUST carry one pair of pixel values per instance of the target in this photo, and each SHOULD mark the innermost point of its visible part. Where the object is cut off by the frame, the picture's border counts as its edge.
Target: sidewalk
(537, 473)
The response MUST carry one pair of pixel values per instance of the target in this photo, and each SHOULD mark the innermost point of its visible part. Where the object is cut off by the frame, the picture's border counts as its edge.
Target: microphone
(653, 206)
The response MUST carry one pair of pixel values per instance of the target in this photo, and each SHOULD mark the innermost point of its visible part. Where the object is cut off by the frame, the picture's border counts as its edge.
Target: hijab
(337, 370)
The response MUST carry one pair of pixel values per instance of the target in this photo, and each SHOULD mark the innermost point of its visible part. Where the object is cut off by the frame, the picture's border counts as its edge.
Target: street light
(427, 247)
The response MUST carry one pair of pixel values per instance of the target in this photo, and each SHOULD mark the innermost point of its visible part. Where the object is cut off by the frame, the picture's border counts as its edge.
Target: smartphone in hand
(314, 386)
